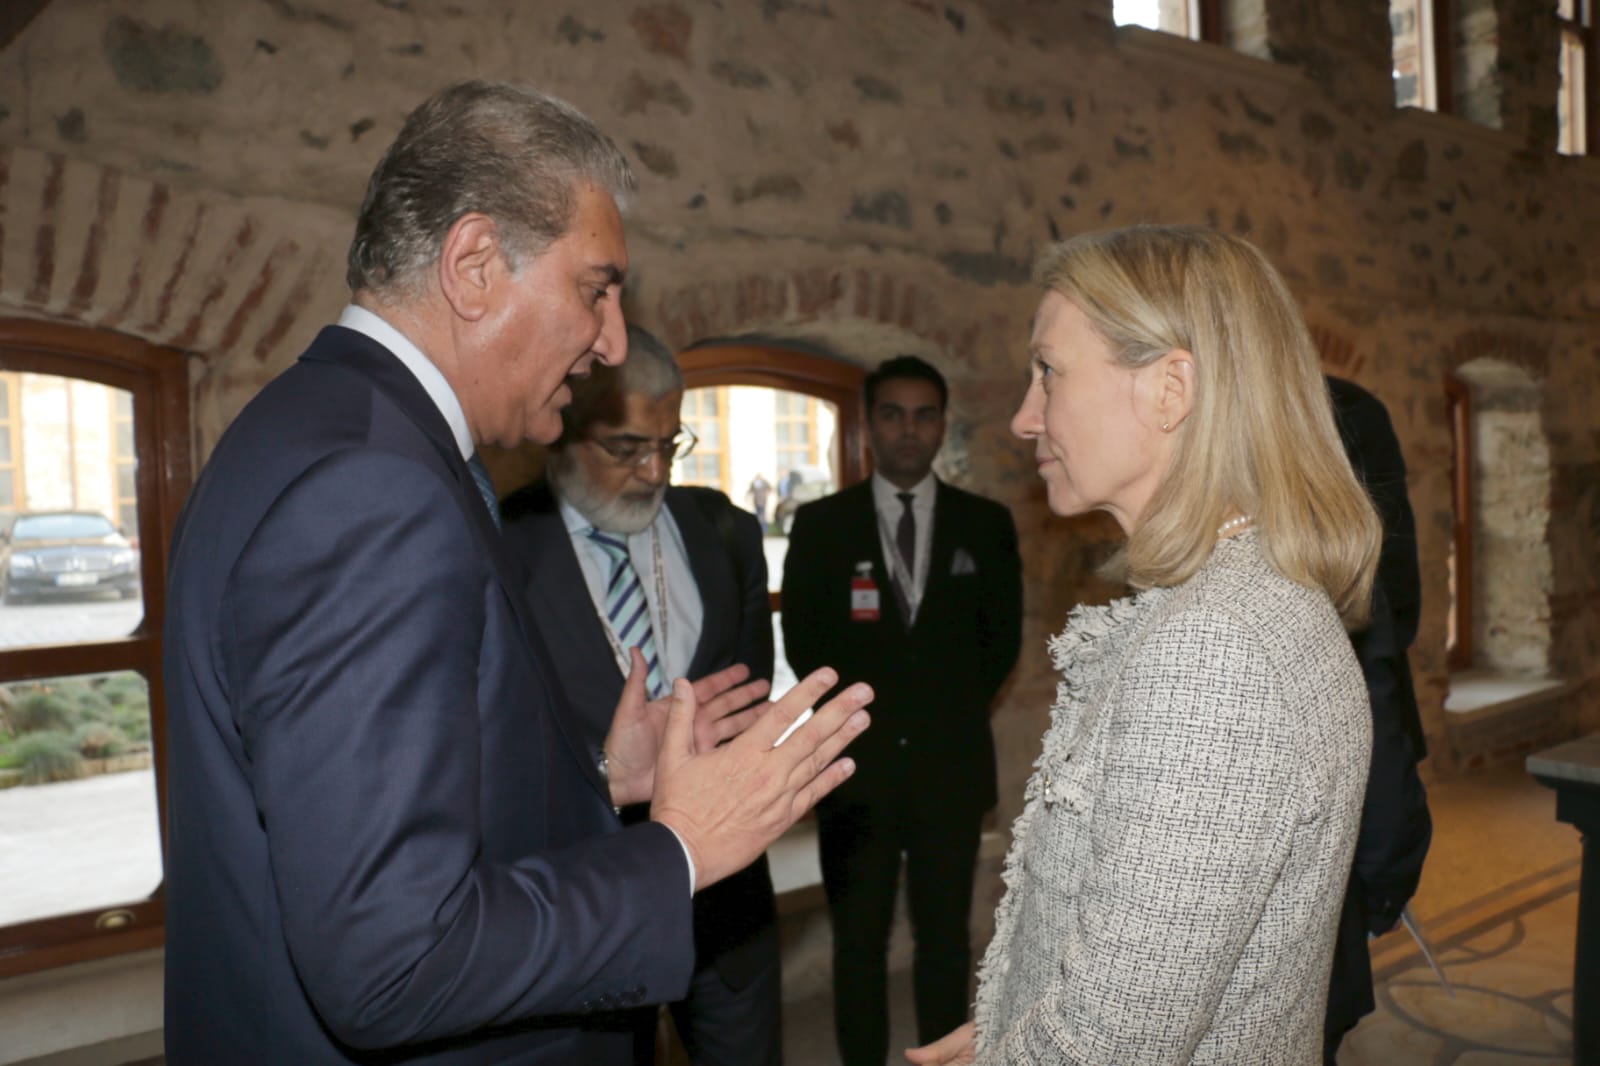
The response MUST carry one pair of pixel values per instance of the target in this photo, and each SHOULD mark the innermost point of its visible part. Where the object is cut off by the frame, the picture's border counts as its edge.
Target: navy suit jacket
(388, 841)
(735, 627)
(933, 683)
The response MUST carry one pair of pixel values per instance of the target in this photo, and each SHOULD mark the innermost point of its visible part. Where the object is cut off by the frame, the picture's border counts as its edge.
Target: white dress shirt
(886, 501)
(428, 376)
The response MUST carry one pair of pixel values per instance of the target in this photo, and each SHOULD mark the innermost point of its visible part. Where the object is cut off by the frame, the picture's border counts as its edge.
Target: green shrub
(97, 740)
(47, 756)
(40, 709)
(133, 721)
(126, 689)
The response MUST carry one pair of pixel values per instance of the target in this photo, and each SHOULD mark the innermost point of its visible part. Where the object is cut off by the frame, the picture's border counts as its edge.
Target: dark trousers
(861, 847)
(724, 1025)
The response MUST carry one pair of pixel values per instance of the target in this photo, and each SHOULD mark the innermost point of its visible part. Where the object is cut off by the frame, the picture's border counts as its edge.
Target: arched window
(777, 428)
(94, 466)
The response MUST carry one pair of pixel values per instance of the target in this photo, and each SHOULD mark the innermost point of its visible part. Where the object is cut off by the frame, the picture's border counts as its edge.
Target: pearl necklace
(1236, 522)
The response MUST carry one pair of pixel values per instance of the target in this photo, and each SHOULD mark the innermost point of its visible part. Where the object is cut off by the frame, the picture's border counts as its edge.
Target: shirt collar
(428, 376)
(886, 493)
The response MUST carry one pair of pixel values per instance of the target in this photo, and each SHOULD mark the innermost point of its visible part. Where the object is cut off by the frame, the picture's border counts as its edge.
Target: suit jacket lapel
(712, 566)
(560, 596)
(941, 551)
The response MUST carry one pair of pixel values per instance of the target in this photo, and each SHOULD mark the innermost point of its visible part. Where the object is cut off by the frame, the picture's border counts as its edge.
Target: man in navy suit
(915, 587)
(389, 838)
(605, 510)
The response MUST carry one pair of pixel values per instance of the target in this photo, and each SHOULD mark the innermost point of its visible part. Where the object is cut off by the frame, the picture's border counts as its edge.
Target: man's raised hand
(728, 803)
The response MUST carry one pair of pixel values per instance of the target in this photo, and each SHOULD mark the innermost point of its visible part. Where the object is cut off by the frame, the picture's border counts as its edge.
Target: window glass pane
(1172, 16)
(1571, 106)
(67, 573)
(5, 398)
(773, 451)
(124, 438)
(77, 795)
(7, 489)
(1409, 26)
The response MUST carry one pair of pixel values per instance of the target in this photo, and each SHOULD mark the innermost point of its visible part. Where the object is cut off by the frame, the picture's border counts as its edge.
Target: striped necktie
(480, 476)
(627, 610)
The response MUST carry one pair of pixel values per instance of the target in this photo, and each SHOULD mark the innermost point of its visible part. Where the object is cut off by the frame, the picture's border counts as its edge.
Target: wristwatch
(602, 763)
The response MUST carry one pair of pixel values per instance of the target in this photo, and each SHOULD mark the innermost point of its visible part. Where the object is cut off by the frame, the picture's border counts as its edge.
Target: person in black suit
(1395, 825)
(388, 837)
(914, 586)
(608, 474)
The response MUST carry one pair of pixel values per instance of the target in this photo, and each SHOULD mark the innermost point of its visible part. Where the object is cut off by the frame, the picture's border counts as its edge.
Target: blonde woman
(1175, 876)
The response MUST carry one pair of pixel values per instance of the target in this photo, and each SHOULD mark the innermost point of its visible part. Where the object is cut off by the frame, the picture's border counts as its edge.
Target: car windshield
(61, 527)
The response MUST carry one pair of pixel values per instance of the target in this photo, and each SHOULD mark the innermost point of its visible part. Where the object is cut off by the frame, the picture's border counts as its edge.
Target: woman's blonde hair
(1260, 439)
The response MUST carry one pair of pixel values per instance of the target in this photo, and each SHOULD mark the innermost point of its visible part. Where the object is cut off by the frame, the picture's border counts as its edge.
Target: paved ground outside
(70, 622)
(78, 845)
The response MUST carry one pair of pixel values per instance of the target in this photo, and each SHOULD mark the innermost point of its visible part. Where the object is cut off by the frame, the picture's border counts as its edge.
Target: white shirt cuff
(687, 858)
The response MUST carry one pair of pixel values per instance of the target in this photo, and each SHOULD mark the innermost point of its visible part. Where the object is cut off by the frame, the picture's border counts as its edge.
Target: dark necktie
(480, 475)
(905, 542)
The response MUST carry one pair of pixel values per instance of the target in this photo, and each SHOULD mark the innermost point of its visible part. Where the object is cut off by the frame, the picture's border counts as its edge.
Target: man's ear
(470, 261)
(1174, 384)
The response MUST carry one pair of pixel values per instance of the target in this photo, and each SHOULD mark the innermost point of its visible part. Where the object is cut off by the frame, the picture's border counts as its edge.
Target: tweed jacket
(1174, 879)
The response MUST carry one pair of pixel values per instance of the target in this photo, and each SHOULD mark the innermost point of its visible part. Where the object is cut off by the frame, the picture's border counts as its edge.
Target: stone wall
(870, 177)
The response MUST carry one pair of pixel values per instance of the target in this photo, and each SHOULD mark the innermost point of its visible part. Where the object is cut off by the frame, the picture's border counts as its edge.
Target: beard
(625, 514)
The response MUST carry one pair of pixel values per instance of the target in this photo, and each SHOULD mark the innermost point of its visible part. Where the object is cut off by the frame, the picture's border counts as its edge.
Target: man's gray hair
(508, 151)
(650, 370)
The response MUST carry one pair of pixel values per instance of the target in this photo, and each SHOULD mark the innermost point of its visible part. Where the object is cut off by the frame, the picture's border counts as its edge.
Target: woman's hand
(956, 1049)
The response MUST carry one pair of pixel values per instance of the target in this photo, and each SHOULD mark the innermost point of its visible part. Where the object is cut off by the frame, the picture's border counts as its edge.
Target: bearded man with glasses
(686, 584)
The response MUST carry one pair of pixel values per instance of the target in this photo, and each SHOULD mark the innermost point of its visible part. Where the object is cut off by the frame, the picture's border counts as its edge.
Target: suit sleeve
(999, 622)
(354, 632)
(755, 613)
(1396, 827)
(1185, 853)
(805, 592)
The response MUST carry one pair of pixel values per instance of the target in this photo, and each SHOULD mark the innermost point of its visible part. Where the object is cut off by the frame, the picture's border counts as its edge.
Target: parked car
(65, 553)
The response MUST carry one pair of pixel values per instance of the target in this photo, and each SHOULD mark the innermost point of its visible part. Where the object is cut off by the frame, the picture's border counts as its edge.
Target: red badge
(863, 595)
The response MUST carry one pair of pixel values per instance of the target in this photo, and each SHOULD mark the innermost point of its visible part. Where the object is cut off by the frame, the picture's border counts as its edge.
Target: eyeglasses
(628, 449)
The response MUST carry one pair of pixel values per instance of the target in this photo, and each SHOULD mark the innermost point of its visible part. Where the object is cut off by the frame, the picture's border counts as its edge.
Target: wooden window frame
(1458, 398)
(833, 381)
(157, 377)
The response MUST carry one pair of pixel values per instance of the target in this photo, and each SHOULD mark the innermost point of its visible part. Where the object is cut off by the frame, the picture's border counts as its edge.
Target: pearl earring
(1165, 426)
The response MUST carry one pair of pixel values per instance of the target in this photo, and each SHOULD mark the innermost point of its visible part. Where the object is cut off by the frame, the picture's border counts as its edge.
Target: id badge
(864, 598)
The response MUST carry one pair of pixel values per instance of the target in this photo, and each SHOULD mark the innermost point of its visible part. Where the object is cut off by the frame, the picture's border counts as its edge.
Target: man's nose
(654, 469)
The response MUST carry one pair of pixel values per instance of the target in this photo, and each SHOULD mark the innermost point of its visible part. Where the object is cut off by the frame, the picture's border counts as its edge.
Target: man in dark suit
(914, 586)
(388, 838)
(702, 576)
(1395, 825)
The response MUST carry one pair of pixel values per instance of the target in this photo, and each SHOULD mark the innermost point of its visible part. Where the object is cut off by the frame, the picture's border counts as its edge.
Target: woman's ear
(469, 263)
(1174, 383)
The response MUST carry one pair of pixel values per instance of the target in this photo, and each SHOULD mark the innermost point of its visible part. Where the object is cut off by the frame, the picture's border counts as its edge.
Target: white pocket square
(962, 564)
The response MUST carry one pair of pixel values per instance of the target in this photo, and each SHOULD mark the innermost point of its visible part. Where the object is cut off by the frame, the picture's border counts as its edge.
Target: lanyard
(624, 661)
(897, 566)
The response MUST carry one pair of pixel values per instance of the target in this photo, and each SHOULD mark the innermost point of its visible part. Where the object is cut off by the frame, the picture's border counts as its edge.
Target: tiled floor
(1499, 903)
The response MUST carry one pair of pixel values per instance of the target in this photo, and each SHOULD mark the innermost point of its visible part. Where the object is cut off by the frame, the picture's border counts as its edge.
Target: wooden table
(1573, 770)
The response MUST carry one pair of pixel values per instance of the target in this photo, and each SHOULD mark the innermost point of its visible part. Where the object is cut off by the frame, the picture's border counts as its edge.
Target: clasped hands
(705, 759)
